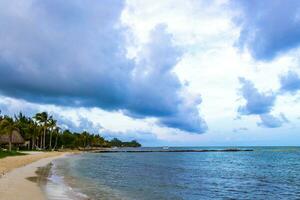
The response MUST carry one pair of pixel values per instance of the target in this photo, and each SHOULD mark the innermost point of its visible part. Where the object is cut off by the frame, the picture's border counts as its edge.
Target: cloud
(256, 102)
(270, 121)
(268, 27)
(73, 53)
(84, 124)
(241, 129)
(290, 82)
(187, 109)
(261, 104)
(143, 137)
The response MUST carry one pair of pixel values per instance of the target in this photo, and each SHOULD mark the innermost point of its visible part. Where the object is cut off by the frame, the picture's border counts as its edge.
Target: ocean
(265, 173)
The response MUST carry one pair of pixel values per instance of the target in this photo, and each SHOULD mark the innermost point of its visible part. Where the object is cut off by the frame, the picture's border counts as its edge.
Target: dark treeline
(42, 132)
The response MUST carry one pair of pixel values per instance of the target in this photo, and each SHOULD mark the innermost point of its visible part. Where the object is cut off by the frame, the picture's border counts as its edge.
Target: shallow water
(266, 173)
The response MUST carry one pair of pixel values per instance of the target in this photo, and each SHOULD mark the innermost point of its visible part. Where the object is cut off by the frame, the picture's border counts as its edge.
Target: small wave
(57, 188)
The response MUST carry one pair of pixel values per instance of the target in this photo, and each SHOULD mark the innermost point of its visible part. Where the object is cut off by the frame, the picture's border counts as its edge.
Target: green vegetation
(118, 143)
(7, 126)
(10, 153)
(41, 132)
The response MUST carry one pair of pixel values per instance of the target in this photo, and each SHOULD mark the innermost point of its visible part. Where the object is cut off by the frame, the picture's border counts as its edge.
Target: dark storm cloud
(268, 27)
(73, 53)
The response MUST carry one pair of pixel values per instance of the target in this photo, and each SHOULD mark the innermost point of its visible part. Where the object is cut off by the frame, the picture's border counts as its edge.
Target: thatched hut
(16, 139)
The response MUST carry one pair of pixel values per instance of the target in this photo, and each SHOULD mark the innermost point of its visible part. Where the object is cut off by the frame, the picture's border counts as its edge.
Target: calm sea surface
(265, 173)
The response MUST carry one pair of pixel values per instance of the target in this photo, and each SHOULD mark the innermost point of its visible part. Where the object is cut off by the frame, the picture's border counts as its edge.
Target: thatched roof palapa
(16, 138)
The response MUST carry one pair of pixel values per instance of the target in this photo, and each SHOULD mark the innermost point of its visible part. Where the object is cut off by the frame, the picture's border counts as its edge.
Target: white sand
(15, 186)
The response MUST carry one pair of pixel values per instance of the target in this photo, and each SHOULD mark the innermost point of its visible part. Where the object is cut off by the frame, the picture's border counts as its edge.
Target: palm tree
(43, 119)
(7, 125)
(57, 131)
(84, 138)
(52, 126)
(34, 129)
(24, 127)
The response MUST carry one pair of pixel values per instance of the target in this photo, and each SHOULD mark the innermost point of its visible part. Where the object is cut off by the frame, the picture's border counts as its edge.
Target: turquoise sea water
(265, 173)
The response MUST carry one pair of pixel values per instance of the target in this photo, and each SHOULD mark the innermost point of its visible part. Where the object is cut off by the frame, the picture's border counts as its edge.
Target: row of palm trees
(42, 132)
(46, 122)
(34, 129)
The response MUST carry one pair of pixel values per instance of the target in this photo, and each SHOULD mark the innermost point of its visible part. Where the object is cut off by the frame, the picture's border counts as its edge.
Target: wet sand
(20, 182)
(9, 163)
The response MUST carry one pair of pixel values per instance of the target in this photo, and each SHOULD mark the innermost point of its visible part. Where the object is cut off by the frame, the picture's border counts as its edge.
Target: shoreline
(170, 151)
(16, 183)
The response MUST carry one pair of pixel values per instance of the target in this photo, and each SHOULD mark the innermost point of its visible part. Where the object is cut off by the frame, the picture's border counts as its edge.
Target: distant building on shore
(16, 139)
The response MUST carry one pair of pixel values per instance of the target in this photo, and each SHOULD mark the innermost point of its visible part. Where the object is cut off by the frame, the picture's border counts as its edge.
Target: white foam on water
(57, 189)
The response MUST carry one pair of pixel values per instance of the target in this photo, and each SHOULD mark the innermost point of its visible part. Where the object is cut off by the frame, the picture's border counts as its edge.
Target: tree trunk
(33, 143)
(41, 142)
(44, 139)
(9, 142)
(55, 142)
(50, 141)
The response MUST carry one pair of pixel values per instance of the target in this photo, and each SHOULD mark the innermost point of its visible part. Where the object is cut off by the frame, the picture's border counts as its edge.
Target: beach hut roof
(16, 138)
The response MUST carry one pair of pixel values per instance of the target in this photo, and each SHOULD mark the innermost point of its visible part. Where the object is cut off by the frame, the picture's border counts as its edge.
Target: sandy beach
(15, 171)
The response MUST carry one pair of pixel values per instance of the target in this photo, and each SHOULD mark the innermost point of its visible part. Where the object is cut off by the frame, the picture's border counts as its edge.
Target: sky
(169, 72)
